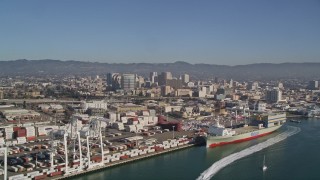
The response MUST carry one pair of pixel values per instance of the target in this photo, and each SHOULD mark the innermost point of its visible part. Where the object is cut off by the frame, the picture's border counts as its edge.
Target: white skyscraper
(231, 83)
(185, 78)
(153, 77)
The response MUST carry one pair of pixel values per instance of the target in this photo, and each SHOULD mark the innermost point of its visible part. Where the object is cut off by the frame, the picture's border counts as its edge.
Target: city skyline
(210, 32)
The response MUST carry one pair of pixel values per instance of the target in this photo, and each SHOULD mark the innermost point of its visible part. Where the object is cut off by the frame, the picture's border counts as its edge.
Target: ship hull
(214, 141)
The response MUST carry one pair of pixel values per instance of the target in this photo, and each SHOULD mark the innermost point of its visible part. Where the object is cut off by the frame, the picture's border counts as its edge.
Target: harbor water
(296, 157)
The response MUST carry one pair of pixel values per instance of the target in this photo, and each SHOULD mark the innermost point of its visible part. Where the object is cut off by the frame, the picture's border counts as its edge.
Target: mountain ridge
(257, 71)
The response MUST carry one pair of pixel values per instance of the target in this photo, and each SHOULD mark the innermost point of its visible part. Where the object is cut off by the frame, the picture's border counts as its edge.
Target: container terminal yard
(33, 160)
(32, 148)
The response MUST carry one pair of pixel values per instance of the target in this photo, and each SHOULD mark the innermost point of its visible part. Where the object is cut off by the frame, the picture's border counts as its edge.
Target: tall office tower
(163, 77)
(231, 83)
(139, 81)
(128, 81)
(185, 78)
(313, 85)
(273, 95)
(109, 79)
(116, 81)
(153, 77)
(167, 75)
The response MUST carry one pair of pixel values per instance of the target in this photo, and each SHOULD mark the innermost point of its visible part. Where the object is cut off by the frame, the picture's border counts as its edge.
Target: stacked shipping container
(31, 133)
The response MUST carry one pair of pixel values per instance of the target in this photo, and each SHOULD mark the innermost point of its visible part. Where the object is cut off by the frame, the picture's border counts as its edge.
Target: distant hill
(197, 71)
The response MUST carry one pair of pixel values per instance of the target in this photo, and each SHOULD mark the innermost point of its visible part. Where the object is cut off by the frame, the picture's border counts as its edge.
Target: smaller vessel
(264, 167)
(295, 121)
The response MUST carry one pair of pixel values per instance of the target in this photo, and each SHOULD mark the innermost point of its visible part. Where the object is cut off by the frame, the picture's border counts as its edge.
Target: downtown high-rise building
(274, 95)
(163, 77)
(115, 81)
(230, 83)
(185, 78)
(313, 85)
(128, 81)
(153, 77)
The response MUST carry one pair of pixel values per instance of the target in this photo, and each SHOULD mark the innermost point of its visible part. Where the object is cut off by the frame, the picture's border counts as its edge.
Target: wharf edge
(125, 161)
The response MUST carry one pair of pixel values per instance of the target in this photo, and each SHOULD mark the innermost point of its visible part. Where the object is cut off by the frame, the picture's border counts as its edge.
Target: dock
(122, 162)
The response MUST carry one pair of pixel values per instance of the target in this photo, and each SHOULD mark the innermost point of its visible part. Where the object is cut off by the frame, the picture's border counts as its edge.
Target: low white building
(94, 105)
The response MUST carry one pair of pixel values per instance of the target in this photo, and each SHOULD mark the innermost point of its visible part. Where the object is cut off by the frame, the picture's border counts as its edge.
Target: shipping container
(16, 176)
(114, 159)
(20, 133)
(29, 169)
(44, 176)
(31, 138)
(20, 168)
(55, 173)
(96, 158)
(33, 173)
(124, 157)
(13, 169)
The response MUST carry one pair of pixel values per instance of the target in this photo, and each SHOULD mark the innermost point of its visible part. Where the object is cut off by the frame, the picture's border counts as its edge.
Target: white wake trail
(217, 166)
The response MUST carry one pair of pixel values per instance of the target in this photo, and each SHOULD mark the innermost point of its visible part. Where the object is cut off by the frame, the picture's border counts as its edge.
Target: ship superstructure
(260, 125)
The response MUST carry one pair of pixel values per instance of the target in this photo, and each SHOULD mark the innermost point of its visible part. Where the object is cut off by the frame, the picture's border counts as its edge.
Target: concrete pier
(121, 162)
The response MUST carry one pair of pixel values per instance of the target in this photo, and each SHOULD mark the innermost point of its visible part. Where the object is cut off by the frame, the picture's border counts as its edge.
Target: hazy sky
(196, 31)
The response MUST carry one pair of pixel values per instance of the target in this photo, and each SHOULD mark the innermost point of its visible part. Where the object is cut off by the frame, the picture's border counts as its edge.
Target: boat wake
(217, 166)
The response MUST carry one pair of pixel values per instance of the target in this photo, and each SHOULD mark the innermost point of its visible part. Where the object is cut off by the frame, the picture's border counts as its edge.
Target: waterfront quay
(161, 143)
(123, 162)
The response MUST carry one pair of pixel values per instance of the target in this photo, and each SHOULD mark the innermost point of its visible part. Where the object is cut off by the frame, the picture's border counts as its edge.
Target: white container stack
(16, 176)
(166, 144)
(107, 158)
(145, 113)
(9, 133)
(134, 154)
(151, 150)
(41, 131)
(152, 112)
(115, 157)
(106, 161)
(45, 130)
(21, 140)
(30, 131)
(142, 152)
(173, 143)
(152, 120)
(143, 120)
(33, 173)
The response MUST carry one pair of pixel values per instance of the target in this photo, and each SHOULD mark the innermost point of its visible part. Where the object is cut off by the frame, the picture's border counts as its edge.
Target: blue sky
(227, 32)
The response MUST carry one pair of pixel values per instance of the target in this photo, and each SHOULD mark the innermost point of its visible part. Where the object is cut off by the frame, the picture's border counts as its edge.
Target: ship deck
(244, 130)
